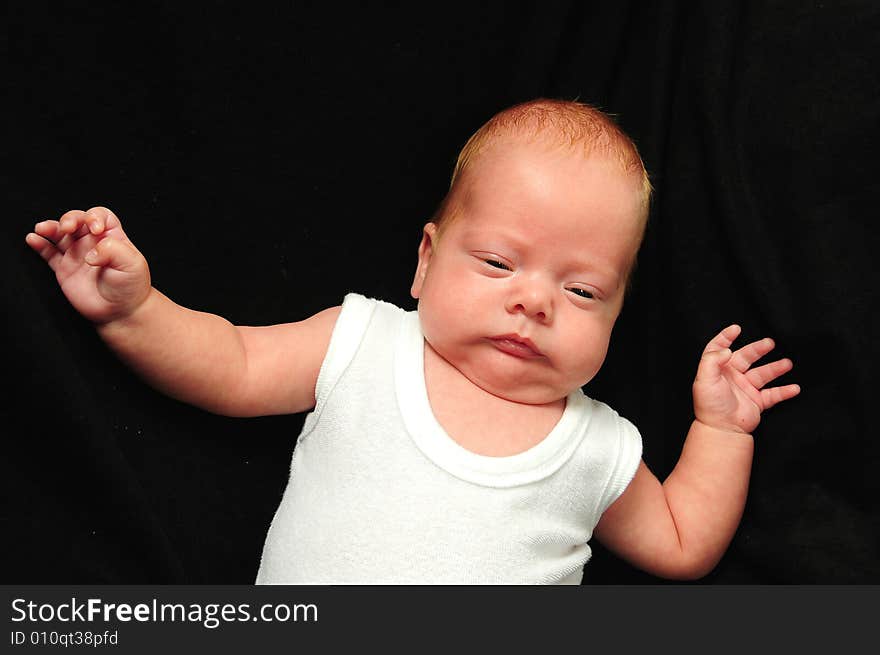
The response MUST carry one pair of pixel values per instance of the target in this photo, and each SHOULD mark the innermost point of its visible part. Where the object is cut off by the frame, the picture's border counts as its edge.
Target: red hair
(559, 122)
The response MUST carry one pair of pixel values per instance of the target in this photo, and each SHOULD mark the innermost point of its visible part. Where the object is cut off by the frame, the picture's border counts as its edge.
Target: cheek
(439, 310)
(597, 357)
(453, 307)
(457, 287)
(588, 350)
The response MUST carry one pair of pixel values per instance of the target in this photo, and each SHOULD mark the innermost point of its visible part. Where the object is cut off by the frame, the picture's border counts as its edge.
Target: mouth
(515, 345)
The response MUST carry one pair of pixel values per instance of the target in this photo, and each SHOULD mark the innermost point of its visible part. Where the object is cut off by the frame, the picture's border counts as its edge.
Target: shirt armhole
(348, 332)
(629, 454)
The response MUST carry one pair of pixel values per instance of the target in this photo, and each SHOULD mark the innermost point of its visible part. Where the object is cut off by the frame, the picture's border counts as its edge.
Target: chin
(514, 391)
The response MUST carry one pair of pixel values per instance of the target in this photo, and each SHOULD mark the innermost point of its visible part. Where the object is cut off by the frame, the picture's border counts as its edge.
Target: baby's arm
(680, 529)
(195, 357)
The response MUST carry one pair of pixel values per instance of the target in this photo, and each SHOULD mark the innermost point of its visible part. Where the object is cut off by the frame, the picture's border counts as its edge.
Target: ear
(426, 251)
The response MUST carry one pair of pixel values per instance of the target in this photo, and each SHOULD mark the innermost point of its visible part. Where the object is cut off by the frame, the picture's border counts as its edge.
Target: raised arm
(196, 357)
(680, 529)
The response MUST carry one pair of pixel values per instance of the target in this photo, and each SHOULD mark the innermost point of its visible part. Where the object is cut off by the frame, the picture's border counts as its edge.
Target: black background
(268, 159)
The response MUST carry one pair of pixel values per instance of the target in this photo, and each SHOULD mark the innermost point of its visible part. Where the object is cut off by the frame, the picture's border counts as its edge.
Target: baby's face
(522, 290)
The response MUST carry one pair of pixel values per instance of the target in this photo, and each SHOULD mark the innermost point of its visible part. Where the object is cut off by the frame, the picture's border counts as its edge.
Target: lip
(515, 345)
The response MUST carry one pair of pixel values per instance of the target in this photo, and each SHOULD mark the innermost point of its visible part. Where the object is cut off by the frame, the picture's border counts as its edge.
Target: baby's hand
(730, 396)
(100, 271)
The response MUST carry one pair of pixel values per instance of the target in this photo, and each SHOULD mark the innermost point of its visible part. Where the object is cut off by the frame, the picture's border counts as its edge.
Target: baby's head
(522, 273)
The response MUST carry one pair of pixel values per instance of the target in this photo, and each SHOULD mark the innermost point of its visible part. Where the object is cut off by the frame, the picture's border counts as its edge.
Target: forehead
(545, 183)
(554, 200)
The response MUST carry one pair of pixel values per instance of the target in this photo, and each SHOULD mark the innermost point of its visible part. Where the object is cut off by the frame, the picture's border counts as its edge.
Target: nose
(532, 297)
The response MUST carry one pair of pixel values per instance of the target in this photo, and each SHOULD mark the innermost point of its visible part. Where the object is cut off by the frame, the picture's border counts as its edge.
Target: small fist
(100, 271)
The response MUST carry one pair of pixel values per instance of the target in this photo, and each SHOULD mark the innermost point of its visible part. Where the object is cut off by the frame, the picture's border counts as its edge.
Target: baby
(453, 444)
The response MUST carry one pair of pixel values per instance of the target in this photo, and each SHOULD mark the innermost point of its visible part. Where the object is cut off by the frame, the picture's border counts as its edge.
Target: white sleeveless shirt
(380, 494)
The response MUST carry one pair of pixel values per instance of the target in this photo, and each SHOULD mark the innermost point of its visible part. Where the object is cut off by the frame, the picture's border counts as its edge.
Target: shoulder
(615, 442)
(605, 418)
(360, 324)
(349, 321)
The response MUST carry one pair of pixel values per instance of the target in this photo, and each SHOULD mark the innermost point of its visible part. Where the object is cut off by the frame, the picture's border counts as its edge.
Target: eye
(496, 264)
(583, 293)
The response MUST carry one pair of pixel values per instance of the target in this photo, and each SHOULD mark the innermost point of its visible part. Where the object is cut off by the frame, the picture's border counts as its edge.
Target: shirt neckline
(536, 463)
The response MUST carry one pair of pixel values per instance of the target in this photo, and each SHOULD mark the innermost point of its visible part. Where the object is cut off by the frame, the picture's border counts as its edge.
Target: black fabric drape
(267, 161)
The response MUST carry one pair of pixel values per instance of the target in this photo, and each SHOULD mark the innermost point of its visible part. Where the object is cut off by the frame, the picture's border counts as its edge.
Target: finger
(49, 230)
(723, 339)
(71, 221)
(758, 377)
(44, 248)
(712, 365)
(775, 395)
(76, 224)
(114, 253)
(71, 228)
(749, 354)
(99, 219)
